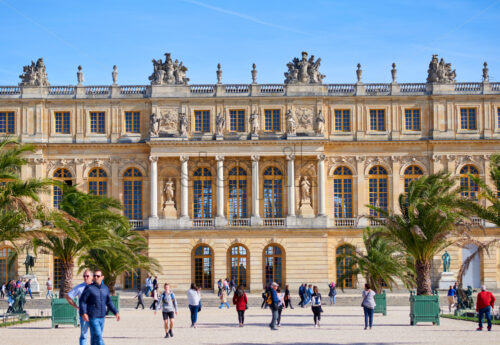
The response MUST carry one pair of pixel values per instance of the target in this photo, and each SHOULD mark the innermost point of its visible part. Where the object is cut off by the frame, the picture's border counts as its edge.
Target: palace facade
(260, 182)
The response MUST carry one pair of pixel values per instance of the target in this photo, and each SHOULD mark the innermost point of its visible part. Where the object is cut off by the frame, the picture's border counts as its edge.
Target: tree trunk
(67, 278)
(111, 285)
(423, 269)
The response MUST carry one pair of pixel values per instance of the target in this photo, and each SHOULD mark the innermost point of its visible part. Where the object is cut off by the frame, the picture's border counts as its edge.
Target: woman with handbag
(194, 301)
(316, 306)
(368, 305)
(241, 303)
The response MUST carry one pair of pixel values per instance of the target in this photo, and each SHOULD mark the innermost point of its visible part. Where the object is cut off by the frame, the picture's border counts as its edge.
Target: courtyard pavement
(339, 325)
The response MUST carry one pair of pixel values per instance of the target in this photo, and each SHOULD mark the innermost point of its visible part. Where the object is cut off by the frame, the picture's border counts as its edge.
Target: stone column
(220, 220)
(154, 187)
(321, 185)
(291, 185)
(184, 186)
(255, 219)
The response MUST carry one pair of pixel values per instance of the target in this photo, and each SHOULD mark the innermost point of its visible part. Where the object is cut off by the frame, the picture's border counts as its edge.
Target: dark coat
(95, 301)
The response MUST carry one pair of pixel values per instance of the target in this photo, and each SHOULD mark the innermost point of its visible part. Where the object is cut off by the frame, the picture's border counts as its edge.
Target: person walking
(154, 294)
(223, 299)
(149, 285)
(273, 302)
(316, 306)
(168, 308)
(302, 297)
(94, 306)
(140, 298)
(219, 286)
(287, 298)
(484, 306)
(368, 305)
(451, 297)
(241, 303)
(264, 298)
(77, 292)
(27, 287)
(281, 305)
(332, 292)
(48, 284)
(194, 301)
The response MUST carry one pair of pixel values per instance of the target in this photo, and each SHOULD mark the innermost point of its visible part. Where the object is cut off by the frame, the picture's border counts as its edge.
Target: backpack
(269, 297)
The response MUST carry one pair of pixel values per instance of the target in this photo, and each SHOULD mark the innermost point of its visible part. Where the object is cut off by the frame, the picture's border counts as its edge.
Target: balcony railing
(10, 90)
(345, 222)
(204, 223)
(377, 89)
(464, 87)
(61, 90)
(377, 222)
(136, 223)
(272, 88)
(202, 89)
(478, 221)
(96, 90)
(241, 222)
(412, 87)
(495, 86)
(133, 90)
(341, 89)
(236, 88)
(275, 222)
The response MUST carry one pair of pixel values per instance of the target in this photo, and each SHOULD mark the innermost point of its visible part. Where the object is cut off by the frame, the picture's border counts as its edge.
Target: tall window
(7, 272)
(273, 193)
(98, 182)
(202, 121)
(202, 193)
(342, 120)
(378, 189)
(469, 188)
(342, 192)
(272, 120)
(237, 193)
(237, 120)
(274, 265)
(377, 119)
(412, 119)
(133, 121)
(57, 273)
(97, 122)
(203, 259)
(343, 267)
(132, 194)
(498, 118)
(412, 173)
(62, 122)
(132, 280)
(468, 118)
(64, 176)
(7, 122)
(238, 261)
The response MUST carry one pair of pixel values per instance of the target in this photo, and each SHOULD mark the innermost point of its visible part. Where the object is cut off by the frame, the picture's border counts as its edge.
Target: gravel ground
(339, 325)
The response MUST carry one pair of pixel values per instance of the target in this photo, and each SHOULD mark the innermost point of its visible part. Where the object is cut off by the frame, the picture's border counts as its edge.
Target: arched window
(132, 280)
(202, 193)
(98, 182)
(6, 273)
(273, 193)
(132, 194)
(57, 273)
(342, 266)
(412, 173)
(237, 193)
(64, 176)
(342, 192)
(274, 265)
(469, 188)
(203, 260)
(378, 189)
(238, 261)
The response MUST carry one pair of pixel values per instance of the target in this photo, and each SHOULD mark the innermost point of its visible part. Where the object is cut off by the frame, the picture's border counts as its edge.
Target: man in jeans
(485, 303)
(274, 306)
(93, 307)
(77, 292)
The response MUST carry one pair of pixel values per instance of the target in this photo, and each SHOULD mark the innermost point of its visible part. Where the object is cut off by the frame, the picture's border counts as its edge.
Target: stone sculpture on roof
(168, 72)
(304, 71)
(34, 74)
(440, 72)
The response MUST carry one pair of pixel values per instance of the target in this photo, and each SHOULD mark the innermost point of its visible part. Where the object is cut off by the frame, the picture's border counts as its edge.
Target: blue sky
(202, 33)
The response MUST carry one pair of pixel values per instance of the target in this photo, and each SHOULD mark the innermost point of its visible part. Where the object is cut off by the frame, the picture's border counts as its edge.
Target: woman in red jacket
(240, 300)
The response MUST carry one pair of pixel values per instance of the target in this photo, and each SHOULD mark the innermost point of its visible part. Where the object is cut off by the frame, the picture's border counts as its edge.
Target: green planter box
(381, 304)
(116, 302)
(424, 308)
(63, 313)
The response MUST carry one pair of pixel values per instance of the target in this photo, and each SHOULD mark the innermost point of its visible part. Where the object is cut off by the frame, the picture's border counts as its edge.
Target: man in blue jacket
(94, 305)
(274, 306)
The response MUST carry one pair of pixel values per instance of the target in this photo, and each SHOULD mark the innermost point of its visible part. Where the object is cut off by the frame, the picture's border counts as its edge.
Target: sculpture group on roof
(34, 74)
(304, 71)
(440, 72)
(168, 72)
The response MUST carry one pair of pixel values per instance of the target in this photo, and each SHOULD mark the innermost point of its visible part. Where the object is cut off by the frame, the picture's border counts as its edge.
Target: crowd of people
(9, 288)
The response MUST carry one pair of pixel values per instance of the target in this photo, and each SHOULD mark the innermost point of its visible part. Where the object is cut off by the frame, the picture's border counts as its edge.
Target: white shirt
(193, 297)
(77, 291)
(368, 299)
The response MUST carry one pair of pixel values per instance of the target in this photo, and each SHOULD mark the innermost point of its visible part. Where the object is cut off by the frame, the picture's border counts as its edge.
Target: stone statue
(446, 261)
(254, 123)
(486, 73)
(464, 298)
(169, 190)
(168, 72)
(183, 124)
(305, 191)
(320, 123)
(394, 72)
(219, 74)
(304, 71)
(79, 75)
(359, 72)
(220, 123)
(19, 301)
(440, 72)
(29, 263)
(291, 125)
(34, 74)
(254, 74)
(155, 125)
(114, 74)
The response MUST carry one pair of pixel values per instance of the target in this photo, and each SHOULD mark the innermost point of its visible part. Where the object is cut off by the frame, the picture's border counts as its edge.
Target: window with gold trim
(342, 119)
(57, 273)
(237, 120)
(273, 193)
(202, 121)
(62, 122)
(202, 193)
(272, 120)
(237, 193)
(203, 266)
(412, 119)
(274, 265)
(7, 122)
(378, 189)
(97, 122)
(468, 188)
(7, 272)
(411, 174)
(132, 280)
(238, 265)
(343, 268)
(377, 120)
(342, 192)
(468, 118)
(132, 194)
(133, 121)
(98, 182)
(62, 175)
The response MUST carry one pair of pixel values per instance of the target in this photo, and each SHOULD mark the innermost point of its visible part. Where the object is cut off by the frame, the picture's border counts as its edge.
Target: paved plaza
(339, 325)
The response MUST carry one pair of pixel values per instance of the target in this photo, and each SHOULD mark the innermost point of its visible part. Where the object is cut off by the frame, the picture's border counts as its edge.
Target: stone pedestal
(169, 210)
(219, 137)
(35, 286)
(306, 210)
(447, 279)
(254, 136)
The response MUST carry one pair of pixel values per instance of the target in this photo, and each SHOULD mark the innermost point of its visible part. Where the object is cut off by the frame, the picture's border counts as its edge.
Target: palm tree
(430, 220)
(382, 263)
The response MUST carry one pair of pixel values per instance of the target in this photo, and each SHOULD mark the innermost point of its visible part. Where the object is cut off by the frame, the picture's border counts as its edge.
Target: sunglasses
(86, 276)
(97, 276)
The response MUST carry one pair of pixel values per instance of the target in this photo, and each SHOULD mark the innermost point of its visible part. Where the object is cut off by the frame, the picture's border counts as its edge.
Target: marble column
(321, 185)
(184, 186)
(154, 187)
(220, 219)
(291, 185)
(255, 220)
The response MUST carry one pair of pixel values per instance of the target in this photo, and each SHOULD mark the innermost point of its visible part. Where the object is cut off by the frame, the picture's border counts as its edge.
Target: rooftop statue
(440, 72)
(168, 72)
(304, 71)
(34, 74)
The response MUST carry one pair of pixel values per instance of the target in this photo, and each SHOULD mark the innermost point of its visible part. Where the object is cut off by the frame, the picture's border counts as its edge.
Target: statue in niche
(305, 191)
(169, 210)
(183, 124)
(254, 123)
(220, 123)
(169, 189)
(320, 123)
(291, 125)
(154, 125)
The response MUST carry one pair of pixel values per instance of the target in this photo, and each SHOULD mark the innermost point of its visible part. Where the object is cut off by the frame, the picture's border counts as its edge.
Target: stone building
(260, 182)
